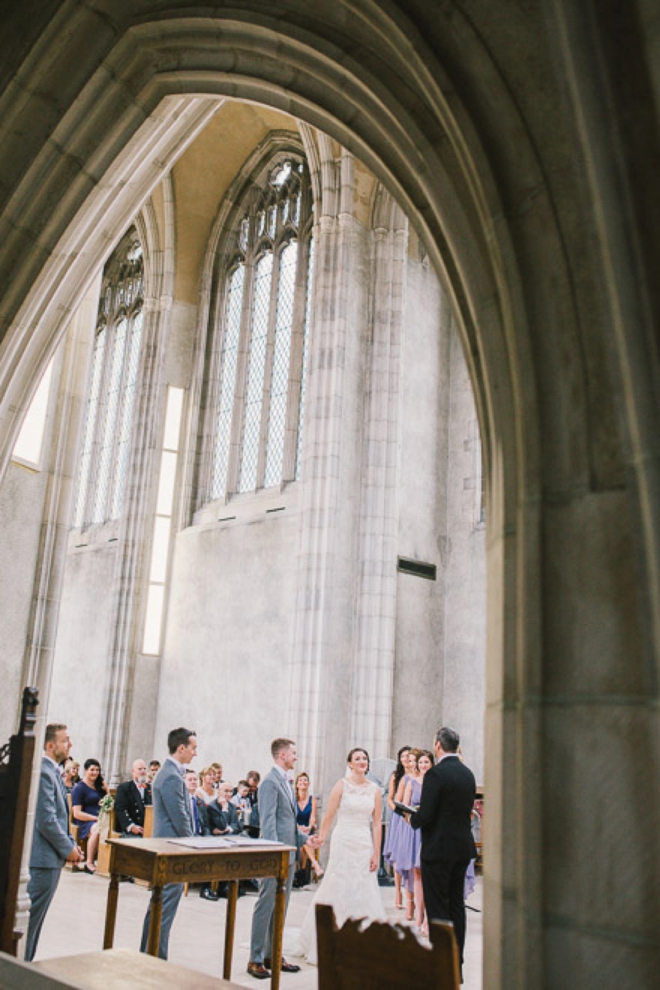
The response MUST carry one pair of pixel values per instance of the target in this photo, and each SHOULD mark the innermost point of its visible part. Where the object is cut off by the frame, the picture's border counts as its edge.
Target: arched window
(264, 326)
(109, 414)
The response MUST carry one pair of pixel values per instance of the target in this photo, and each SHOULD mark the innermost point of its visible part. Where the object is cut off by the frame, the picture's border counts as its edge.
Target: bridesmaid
(412, 796)
(306, 813)
(404, 851)
(395, 821)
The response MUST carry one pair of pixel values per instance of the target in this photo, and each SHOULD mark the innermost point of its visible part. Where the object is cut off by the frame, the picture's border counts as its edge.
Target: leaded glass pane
(303, 369)
(109, 426)
(272, 219)
(126, 419)
(90, 427)
(227, 383)
(255, 383)
(282, 352)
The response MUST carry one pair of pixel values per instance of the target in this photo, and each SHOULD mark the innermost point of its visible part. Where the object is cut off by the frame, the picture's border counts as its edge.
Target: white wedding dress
(348, 884)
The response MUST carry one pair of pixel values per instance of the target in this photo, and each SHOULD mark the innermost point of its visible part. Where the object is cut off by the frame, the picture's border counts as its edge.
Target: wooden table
(116, 969)
(161, 861)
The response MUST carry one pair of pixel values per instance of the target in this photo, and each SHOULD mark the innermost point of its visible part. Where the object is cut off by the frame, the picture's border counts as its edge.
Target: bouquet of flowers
(106, 810)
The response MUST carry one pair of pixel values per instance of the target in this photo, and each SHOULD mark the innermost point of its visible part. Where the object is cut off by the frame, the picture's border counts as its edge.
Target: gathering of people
(428, 843)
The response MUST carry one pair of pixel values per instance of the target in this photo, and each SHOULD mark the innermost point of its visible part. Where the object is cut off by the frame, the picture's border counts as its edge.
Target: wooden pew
(16, 759)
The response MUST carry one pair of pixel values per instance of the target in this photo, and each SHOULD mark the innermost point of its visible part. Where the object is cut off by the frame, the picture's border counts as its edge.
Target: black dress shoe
(285, 966)
(209, 895)
(258, 970)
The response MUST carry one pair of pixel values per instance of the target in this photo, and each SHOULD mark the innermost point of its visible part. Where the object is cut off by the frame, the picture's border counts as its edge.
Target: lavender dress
(411, 842)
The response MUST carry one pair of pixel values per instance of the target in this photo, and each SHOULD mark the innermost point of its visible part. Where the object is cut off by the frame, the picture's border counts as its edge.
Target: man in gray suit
(171, 818)
(52, 845)
(277, 813)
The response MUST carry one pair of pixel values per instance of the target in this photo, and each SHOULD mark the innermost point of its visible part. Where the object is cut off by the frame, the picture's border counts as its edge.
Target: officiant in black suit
(444, 813)
(130, 801)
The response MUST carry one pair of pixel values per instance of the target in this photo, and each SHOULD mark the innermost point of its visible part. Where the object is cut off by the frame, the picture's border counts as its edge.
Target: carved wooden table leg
(111, 911)
(230, 924)
(154, 924)
(278, 932)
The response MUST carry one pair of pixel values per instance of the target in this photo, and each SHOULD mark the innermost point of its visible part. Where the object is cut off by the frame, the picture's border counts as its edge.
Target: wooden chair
(384, 956)
(16, 758)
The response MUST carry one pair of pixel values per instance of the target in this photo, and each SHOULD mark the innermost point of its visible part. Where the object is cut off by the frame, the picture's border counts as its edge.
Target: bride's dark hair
(358, 749)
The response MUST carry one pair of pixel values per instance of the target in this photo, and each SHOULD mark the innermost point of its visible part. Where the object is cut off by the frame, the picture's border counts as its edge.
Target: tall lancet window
(109, 415)
(263, 332)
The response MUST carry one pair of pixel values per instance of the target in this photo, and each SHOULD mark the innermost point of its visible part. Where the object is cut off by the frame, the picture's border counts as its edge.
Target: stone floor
(75, 924)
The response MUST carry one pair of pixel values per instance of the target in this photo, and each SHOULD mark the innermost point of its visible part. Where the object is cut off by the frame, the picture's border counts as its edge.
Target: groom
(277, 813)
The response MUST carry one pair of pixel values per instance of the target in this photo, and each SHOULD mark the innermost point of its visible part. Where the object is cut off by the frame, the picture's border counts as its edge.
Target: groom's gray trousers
(264, 914)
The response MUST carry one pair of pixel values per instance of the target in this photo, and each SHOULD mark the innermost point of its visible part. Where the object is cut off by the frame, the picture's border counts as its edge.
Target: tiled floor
(75, 924)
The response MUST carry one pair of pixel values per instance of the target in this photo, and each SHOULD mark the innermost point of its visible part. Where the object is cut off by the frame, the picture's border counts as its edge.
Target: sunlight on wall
(27, 449)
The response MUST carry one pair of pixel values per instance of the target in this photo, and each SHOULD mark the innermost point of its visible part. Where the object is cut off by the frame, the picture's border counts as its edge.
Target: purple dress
(400, 845)
(411, 841)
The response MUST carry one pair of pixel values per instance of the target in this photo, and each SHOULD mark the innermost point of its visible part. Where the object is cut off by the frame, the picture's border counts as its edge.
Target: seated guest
(207, 791)
(217, 770)
(253, 778)
(154, 767)
(200, 819)
(197, 807)
(241, 801)
(70, 774)
(85, 799)
(130, 801)
(223, 815)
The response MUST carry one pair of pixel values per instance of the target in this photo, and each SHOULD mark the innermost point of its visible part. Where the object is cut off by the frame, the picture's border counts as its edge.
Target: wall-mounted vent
(280, 508)
(419, 568)
(226, 518)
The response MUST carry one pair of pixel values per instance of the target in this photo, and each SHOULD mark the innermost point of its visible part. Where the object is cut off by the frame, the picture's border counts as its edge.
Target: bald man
(130, 801)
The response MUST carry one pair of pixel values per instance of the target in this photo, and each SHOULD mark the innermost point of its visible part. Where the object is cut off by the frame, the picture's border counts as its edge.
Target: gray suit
(277, 812)
(51, 844)
(171, 819)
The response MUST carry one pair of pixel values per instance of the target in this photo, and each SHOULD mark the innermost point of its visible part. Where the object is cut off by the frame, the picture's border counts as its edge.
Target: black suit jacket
(223, 819)
(444, 812)
(129, 807)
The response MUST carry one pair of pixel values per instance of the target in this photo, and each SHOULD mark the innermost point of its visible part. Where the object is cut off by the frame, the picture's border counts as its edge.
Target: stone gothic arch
(480, 139)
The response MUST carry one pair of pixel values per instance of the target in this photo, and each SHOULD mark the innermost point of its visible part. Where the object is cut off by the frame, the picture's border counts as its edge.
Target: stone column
(320, 672)
(373, 661)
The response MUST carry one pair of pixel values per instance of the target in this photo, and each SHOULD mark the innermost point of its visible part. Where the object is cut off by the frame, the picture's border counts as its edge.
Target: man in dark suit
(444, 814)
(52, 845)
(131, 799)
(172, 818)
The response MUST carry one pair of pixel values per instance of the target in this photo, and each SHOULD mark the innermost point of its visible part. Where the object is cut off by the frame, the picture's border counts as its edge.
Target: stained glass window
(104, 458)
(263, 332)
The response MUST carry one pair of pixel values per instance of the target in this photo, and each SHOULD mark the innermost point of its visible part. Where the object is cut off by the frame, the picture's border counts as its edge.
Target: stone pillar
(373, 661)
(320, 677)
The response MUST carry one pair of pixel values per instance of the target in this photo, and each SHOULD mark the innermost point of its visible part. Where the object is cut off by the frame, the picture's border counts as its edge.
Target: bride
(350, 883)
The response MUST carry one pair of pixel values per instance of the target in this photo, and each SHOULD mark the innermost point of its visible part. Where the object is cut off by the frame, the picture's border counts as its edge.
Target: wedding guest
(395, 821)
(223, 815)
(172, 817)
(70, 774)
(306, 819)
(154, 767)
(207, 791)
(403, 852)
(52, 846)
(132, 797)
(412, 797)
(198, 807)
(85, 799)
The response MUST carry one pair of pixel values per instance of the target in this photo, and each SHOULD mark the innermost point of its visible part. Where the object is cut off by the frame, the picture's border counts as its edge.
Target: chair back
(384, 956)
(148, 821)
(16, 758)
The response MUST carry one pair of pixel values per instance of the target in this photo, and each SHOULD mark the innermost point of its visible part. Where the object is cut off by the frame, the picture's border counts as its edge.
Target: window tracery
(109, 415)
(264, 325)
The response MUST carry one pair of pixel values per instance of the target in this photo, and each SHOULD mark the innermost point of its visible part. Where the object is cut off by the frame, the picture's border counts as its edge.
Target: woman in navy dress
(85, 799)
(306, 809)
